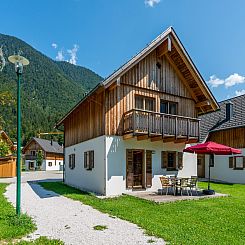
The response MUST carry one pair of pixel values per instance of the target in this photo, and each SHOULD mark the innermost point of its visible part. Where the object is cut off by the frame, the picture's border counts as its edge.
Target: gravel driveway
(72, 222)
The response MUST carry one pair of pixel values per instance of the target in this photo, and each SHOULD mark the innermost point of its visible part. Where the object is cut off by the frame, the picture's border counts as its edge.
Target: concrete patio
(159, 198)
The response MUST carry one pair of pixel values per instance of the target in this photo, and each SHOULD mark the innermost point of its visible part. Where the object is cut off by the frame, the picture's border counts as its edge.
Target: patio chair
(184, 185)
(166, 184)
(193, 184)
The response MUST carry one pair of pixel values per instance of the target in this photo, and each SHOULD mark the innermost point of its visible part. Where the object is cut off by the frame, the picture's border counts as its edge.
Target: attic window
(158, 64)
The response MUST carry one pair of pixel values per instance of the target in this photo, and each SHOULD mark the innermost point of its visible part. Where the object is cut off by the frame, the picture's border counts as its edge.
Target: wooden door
(201, 166)
(148, 169)
(135, 170)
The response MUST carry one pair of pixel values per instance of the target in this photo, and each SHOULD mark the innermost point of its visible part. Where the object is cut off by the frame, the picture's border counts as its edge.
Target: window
(59, 163)
(89, 160)
(237, 163)
(50, 164)
(168, 107)
(144, 103)
(72, 161)
(169, 160)
(33, 153)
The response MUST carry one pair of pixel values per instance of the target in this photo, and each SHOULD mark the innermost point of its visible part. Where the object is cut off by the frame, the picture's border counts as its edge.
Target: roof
(4, 135)
(47, 146)
(216, 121)
(167, 34)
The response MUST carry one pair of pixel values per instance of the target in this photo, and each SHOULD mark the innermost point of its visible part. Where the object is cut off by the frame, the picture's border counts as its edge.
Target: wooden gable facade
(132, 102)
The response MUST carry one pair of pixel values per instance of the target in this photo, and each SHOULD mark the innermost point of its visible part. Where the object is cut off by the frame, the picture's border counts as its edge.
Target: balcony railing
(30, 157)
(152, 123)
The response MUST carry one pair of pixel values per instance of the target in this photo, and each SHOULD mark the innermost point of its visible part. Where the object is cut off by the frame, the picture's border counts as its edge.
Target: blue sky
(103, 34)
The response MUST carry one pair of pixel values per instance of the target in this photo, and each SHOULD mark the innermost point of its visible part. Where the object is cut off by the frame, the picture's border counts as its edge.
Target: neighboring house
(7, 160)
(133, 127)
(49, 151)
(225, 126)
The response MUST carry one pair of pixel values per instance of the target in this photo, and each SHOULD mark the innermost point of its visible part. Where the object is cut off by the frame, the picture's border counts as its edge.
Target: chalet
(225, 126)
(133, 126)
(48, 152)
(7, 159)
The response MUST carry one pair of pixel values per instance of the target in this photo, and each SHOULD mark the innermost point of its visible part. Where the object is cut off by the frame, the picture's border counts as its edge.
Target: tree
(4, 149)
(39, 159)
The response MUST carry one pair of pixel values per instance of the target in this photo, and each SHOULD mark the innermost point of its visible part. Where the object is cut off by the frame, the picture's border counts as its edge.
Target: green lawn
(207, 221)
(12, 227)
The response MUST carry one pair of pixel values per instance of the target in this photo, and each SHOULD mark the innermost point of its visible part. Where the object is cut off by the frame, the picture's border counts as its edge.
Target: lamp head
(19, 62)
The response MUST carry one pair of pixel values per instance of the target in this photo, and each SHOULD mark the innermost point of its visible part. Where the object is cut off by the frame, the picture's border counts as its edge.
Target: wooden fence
(7, 167)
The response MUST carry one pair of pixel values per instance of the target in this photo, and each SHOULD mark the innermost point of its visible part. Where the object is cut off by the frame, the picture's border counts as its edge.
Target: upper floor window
(33, 153)
(168, 107)
(144, 103)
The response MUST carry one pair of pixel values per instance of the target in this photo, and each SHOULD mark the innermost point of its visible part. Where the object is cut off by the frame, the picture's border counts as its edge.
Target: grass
(100, 227)
(207, 221)
(13, 228)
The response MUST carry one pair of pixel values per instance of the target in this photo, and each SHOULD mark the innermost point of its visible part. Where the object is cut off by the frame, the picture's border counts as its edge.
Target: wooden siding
(86, 122)
(234, 137)
(7, 167)
(146, 79)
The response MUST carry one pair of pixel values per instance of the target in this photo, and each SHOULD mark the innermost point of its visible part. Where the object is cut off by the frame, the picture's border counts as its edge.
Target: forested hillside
(49, 89)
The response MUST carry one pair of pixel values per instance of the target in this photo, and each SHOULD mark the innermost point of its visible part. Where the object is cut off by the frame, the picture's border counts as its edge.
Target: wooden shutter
(148, 168)
(243, 162)
(175, 156)
(129, 169)
(180, 160)
(91, 159)
(73, 161)
(231, 162)
(164, 159)
(85, 160)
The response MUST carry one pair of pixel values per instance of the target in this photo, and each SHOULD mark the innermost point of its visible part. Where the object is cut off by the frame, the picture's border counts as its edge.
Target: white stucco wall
(80, 177)
(44, 166)
(221, 170)
(116, 162)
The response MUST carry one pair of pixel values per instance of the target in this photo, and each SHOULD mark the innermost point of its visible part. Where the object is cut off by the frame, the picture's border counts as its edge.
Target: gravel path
(62, 218)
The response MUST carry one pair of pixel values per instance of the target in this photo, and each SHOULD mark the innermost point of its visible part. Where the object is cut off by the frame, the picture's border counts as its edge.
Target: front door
(201, 166)
(135, 170)
(31, 166)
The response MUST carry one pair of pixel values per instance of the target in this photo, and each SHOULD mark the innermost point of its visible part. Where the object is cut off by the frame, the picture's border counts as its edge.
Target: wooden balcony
(160, 126)
(30, 157)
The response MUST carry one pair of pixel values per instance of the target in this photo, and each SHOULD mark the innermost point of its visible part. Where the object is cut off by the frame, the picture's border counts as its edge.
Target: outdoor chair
(193, 184)
(166, 184)
(184, 185)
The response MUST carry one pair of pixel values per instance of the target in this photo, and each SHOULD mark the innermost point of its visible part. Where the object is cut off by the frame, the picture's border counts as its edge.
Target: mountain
(49, 89)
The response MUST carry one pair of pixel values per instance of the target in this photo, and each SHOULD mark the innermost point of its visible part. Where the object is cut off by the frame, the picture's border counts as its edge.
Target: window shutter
(85, 160)
(231, 162)
(73, 161)
(91, 159)
(148, 168)
(129, 159)
(175, 156)
(164, 159)
(243, 162)
(180, 160)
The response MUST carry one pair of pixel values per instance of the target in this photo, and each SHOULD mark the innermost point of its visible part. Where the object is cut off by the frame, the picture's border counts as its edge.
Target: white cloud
(240, 92)
(60, 56)
(227, 82)
(54, 45)
(73, 54)
(151, 3)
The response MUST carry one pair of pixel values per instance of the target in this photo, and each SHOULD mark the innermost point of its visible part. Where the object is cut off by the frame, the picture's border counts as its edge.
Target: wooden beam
(128, 136)
(202, 103)
(181, 77)
(168, 139)
(180, 140)
(156, 138)
(193, 140)
(142, 137)
(163, 48)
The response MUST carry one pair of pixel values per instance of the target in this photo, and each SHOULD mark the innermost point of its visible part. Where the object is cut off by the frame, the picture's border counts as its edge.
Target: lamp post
(19, 62)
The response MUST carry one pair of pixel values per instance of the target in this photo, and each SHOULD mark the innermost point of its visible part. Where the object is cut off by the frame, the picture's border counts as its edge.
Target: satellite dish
(18, 59)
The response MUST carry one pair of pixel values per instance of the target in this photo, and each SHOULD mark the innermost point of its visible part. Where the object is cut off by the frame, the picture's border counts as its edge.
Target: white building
(132, 128)
(226, 126)
(51, 155)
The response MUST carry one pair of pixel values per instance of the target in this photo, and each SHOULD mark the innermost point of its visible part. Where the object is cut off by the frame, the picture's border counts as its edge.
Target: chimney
(229, 110)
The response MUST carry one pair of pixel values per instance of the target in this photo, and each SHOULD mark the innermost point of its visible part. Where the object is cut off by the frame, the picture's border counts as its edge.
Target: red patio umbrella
(212, 148)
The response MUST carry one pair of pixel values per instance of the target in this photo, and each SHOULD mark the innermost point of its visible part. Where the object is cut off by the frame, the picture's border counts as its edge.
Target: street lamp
(19, 62)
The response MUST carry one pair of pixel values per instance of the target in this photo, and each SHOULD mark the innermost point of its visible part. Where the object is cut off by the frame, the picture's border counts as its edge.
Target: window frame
(165, 165)
(144, 98)
(50, 164)
(72, 161)
(88, 160)
(235, 163)
(168, 106)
